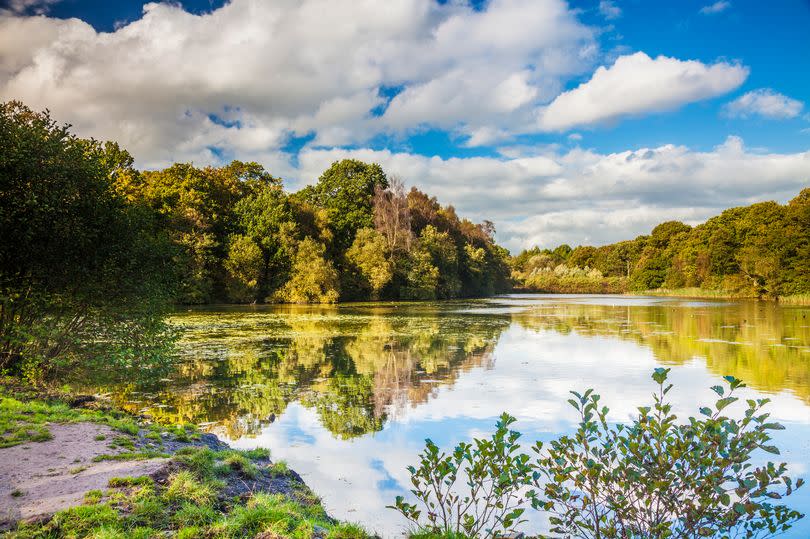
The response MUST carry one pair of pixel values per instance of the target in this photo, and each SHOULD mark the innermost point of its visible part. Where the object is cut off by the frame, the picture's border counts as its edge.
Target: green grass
(189, 505)
(131, 455)
(22, 422)
(280, 468)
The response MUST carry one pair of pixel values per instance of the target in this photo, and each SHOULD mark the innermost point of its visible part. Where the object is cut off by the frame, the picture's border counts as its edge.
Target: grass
(131, 455)
(693, 292)
(27, 421)
(189, 504)
(795, 299)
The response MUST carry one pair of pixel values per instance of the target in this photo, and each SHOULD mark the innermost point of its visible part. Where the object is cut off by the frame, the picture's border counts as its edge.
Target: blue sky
(583, 122)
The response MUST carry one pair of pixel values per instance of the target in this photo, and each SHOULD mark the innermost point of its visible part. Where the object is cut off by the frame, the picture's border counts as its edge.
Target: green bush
(495, 476)
(656, 477)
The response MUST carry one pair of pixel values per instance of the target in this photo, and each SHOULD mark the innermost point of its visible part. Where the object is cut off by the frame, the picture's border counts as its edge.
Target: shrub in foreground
(656, 477)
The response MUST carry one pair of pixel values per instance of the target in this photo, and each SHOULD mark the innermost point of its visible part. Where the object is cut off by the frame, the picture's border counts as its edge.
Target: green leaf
(660, 375)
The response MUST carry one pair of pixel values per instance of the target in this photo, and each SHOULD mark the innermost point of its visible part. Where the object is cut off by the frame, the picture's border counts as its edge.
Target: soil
(38, 479)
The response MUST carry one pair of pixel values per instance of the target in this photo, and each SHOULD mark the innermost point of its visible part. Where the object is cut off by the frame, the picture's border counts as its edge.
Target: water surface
(347, 394)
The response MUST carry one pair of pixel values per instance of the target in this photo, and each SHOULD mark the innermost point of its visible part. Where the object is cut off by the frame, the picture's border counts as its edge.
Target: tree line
(94, 250)
(761, 250)
(356, 234)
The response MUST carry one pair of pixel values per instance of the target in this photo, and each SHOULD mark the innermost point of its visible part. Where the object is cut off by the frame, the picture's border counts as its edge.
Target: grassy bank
(796, 299)
(200, 491)
(695, 292)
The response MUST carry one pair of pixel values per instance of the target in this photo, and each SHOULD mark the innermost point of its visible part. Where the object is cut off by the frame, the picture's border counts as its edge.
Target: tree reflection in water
(360, 365)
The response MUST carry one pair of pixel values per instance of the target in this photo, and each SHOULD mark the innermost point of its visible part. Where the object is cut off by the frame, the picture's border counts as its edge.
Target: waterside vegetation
(756, 251)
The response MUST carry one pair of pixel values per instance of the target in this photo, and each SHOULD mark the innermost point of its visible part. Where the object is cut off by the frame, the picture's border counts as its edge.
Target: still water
(347, 394)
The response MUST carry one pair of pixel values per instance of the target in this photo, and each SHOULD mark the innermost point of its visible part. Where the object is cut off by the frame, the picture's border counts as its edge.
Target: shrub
(495, 475)
(656, 477)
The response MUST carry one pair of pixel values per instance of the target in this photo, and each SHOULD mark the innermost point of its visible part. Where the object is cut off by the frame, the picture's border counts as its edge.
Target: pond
(347, 394)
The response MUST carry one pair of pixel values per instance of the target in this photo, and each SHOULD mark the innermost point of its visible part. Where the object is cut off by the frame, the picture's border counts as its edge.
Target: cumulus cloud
(637, 84)
(584, 197)
(717, 7)
(176, 86)
(766, 103)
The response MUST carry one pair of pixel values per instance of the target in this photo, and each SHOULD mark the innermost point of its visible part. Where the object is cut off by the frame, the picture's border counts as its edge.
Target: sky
(584, 122)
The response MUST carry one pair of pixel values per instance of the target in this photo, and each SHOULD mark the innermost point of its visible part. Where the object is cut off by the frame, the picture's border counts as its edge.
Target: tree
(346, 190)
(370, 253)
(421, 276)
(392, 218)
(244, 267)
(313, 279)
(444, 256)
(266, 218)
(81, 270)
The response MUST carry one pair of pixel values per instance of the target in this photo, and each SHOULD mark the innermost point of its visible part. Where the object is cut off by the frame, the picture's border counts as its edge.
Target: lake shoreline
(97, 455)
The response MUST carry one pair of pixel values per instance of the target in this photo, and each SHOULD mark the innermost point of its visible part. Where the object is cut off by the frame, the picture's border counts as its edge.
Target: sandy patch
(41, 471)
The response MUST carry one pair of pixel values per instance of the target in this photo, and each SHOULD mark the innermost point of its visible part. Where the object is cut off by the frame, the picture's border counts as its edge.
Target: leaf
(660, 375)
(719, 390)
(722, 403)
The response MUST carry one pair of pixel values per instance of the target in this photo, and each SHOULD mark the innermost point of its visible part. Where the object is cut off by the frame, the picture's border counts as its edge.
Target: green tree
(421, 276)
(313, 279)
(346, 190)
(444, 256)
(265, 216)
(82, 272)
(244, 267)
(370, 253)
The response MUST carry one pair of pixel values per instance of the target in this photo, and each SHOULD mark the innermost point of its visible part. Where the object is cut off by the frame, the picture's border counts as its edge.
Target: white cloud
(23, 6)
(293, 67)
(609, 10)
(637, 84)
(717, 7)
(584, 197)
(766, 103)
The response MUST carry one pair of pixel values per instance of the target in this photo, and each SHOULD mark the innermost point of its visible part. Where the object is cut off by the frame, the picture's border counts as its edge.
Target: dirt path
(40, 478)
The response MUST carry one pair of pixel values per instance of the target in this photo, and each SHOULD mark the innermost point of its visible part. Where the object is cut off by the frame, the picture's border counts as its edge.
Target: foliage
(370, 253)
(760, 250)
(346, 190)
(313, 278)
(656, 477)
(495, 476)
(83, 271)
(421, 276)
